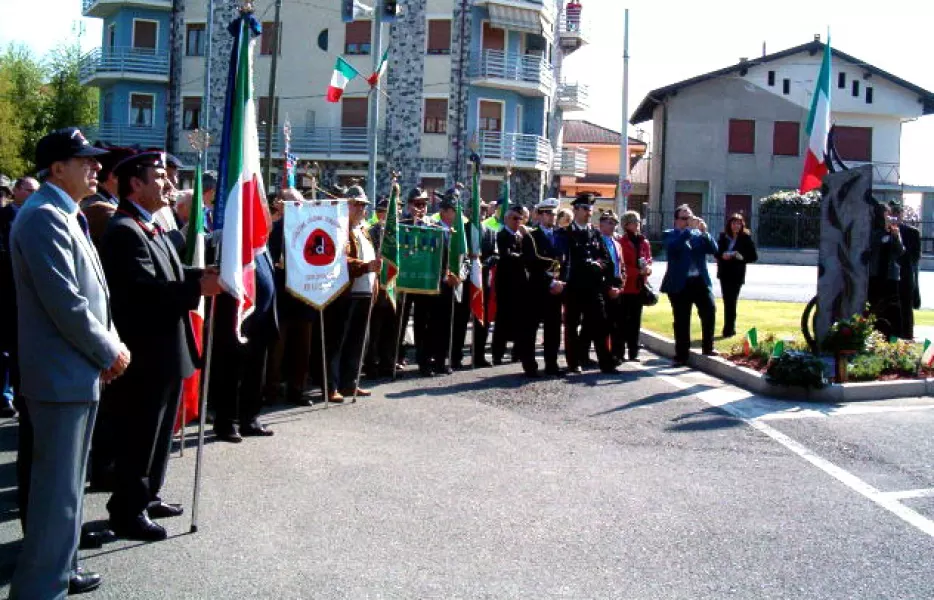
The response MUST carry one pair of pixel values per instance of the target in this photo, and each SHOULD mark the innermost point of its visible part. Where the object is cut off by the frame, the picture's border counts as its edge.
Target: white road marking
(909, 494)
(887, 500)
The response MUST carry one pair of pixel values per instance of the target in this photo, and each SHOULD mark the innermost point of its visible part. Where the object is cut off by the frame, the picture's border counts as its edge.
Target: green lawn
(780, 318)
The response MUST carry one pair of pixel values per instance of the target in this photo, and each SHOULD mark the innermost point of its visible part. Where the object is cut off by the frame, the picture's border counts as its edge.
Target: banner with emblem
(315, 242)
(420, 251)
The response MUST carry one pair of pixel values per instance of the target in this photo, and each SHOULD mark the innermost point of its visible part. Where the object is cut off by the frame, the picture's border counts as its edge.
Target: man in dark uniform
(100, 207)
(511, 288)
(909, 293)
(239, 369)
(542, 251)
(380, 351)
(448, 316)
(587, 266)
(152, 294)
(419, 306)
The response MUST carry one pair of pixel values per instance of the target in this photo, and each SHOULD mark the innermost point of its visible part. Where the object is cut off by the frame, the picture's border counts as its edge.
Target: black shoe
(711, 353)
(443, 370)
(728, 334)
(553, 371)
(385, 372)
(457, 366)
(95, 540)
(575, 370)
(164, 510)
(255, 430)
(139, 528)
(228, 434)
(497, 361)
(82, 582)
(634, 359)
(6, 409)
(679, 362)
(426, 372)
(532, 374)
(609, 370)
(482, 363)
(588, 363)
(297, 399)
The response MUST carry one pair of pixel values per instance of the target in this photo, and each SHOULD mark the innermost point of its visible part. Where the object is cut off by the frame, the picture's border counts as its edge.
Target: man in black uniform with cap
(511, 289)
(542, 250)
(152, 294)
(587, 267)
(448, 315)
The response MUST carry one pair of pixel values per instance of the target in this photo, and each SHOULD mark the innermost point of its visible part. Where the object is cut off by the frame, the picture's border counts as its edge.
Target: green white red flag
(476, 231)
(343, 74)
(389, 247)
(241, 215)
(194, 257)
(380, 70)
(818, 128)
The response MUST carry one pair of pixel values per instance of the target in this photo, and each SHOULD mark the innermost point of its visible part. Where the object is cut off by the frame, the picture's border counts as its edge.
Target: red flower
(846, 331)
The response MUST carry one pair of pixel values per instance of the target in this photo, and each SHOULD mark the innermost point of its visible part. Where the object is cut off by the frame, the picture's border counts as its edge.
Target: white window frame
(191, 95)
(195, 22)
(129, 117)
(133, 34)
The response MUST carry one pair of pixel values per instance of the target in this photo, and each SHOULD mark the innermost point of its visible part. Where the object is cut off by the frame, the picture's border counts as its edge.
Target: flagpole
(374, 100)
(400, 332)
(374, 299)
(201, 143)
(315, 171)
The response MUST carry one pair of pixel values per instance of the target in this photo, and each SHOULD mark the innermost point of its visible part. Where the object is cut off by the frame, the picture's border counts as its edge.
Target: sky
(670, 40)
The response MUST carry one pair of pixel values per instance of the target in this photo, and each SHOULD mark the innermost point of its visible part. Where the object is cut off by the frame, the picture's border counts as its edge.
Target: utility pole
(270, 113)
(206, 99)
(373, 122)
(622, 195)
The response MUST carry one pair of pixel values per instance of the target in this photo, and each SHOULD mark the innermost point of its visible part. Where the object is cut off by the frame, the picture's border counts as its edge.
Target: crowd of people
(98, 338)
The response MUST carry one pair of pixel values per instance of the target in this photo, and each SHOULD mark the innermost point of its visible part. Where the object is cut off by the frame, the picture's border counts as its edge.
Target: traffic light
(389, 11)
(347, 10)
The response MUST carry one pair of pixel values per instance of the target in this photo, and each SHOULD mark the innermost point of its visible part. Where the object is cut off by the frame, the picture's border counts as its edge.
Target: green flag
(751, 342)
(458, 244)
(778, 349)
(389, 247)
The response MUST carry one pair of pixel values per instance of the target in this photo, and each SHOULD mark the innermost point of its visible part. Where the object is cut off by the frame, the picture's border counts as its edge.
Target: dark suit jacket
(542, 260)
(7, 291)
(911, 239)
(151, 296)
(587, 267)
(511, 279)
(734, 270)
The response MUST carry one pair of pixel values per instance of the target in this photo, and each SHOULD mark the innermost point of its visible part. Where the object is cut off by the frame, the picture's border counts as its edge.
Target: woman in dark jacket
(885, 271)
(735, 249)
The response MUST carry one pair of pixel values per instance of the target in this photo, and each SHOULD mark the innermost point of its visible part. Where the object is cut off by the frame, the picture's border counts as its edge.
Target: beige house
(598, 148)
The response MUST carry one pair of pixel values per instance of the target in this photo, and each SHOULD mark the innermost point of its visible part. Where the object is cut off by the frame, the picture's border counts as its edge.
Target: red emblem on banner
(319, 249)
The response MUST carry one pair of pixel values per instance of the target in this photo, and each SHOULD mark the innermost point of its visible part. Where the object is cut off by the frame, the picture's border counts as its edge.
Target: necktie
(83, 222)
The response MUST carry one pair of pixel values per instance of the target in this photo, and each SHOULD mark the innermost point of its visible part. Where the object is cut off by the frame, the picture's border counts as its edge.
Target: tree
(28, 97)
(68, 103)
(11, 142)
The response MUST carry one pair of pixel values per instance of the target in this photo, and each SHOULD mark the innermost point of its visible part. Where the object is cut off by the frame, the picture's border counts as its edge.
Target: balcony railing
(573, 96)
(573, 29)
(515, 71)
(882, 172)
(519, 149)
(571, 162)
(126, 135)
(123, 63)
(102, 8)
(325, 141)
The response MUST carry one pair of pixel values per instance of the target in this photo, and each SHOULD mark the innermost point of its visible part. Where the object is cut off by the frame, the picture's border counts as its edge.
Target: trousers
(695, 293)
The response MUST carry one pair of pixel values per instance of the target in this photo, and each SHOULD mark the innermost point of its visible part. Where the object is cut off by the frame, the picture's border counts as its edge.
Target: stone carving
(846, 231)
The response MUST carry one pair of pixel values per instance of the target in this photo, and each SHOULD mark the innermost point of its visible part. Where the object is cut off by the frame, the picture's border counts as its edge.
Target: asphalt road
(656, 483)
(790, 283)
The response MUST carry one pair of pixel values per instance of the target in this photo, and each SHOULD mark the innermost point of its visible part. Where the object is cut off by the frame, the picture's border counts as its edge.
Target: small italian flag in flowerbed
(343, 74)
(927, 354)
(751, 342)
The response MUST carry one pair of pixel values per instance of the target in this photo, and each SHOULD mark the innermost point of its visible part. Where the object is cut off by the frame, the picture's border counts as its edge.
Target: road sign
(625, 186)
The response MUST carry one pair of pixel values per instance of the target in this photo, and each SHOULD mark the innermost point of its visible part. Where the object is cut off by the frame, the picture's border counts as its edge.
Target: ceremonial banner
(315, 240)
(419, 259)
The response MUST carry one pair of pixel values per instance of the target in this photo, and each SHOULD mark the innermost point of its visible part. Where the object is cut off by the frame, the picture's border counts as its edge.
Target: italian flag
(194, 257)
(380, 70)
(244, 220)
(818, 128)
(751, 342)
(927, 354)
(389, 247)
(476, 269)
(457, 249)
(343, 73)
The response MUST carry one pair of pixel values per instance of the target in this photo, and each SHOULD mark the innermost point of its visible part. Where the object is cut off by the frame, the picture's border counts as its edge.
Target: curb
(756, 382)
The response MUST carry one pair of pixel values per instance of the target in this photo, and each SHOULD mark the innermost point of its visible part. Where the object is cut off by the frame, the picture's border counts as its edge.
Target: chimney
(816, 37)
(763, 48)
(743, 60)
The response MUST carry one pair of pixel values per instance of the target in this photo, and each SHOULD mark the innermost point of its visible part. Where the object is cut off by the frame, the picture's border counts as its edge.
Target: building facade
(725, 139)
(464, 76)
(595, 152)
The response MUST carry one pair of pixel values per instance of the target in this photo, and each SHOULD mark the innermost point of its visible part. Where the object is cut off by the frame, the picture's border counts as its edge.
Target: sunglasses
(685, 218)
(419, 204)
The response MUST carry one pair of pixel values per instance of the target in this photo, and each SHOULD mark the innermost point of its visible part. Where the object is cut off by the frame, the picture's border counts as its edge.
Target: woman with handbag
(735, 249)
(637, 260)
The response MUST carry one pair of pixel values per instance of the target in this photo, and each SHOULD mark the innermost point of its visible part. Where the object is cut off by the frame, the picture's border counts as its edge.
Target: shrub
(849, 335)
(797, 368)
(865, 367)
(789, 219)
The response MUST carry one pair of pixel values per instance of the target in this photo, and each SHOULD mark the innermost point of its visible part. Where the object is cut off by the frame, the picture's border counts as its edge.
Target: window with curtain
(194, 39)
(436, 115)
(439, 36)
(191, 112)
(141, 107)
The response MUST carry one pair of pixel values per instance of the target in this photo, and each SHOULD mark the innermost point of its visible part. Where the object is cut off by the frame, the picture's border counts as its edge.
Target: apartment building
(464, 75)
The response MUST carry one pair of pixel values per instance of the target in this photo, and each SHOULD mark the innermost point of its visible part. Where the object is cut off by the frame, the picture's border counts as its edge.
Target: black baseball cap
(63, 144)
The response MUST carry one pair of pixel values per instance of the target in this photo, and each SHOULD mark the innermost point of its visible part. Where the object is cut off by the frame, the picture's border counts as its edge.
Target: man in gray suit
(69, 348)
